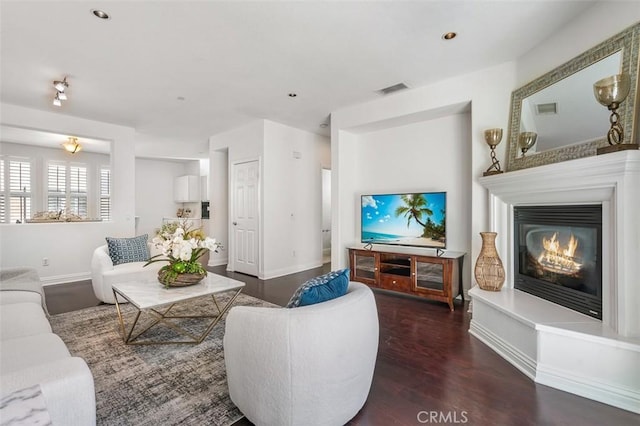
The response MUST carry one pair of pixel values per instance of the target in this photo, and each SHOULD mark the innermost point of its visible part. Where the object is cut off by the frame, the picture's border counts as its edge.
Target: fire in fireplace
(560, 254)
(560, 259)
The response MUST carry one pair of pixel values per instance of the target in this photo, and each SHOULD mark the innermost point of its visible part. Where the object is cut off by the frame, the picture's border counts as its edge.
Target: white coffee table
(150, 296)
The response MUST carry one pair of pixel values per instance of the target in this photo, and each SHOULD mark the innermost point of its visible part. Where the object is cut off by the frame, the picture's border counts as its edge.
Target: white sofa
(104, 274)
(311, 365)
(32, 356)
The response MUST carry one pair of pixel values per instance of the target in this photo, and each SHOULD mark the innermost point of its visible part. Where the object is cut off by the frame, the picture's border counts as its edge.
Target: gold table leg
(162, 316)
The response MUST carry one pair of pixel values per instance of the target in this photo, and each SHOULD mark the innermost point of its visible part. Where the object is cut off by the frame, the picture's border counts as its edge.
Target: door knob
(235, 223)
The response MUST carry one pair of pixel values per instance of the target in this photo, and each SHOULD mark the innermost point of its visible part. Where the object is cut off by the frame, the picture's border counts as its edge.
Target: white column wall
(292, 199)
(218, 205)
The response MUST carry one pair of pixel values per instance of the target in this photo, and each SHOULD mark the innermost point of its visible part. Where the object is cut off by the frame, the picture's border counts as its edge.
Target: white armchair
(311, 365)
(104, 274)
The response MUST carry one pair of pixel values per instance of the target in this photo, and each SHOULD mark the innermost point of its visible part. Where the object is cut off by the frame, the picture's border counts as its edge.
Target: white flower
(166, 247)
(185, 252)
(210, 244)
(182, 243)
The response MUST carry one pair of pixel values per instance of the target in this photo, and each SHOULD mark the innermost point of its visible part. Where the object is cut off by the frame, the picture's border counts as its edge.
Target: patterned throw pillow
(125, 250)
(320, 289)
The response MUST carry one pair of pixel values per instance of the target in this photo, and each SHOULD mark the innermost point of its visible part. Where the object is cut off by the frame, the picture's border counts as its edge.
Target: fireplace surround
(551, 344)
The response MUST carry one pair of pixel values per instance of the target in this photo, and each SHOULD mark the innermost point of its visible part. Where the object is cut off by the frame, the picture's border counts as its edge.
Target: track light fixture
(60, 87)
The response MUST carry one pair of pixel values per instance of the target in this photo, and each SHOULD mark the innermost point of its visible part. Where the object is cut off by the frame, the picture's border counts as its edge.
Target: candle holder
(526, 140)
(493, 138)
(611, 92)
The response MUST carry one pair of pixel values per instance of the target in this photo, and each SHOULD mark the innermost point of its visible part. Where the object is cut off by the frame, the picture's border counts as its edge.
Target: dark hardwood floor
(429, 369)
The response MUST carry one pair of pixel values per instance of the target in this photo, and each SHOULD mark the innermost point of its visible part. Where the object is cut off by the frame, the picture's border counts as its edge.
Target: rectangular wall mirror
(560, 106)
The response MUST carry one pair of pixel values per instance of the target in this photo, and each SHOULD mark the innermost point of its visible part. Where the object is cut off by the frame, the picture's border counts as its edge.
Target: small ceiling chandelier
(60, 87)
(72, 146)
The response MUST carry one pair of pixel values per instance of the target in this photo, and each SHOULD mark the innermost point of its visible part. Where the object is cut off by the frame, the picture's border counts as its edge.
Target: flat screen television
(412, 219)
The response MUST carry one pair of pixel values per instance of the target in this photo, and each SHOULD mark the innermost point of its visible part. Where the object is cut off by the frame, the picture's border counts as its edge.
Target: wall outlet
(45, 261)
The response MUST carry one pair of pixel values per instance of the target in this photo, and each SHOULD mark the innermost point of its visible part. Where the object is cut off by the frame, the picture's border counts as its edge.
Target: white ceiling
(233, 62)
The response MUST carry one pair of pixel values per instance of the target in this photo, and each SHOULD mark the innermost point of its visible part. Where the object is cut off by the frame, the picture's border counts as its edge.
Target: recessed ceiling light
(100, 14)
(449, 36)
(293, 95)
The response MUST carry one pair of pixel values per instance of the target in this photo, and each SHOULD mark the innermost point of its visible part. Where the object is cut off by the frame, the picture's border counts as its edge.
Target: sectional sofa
(38, 375)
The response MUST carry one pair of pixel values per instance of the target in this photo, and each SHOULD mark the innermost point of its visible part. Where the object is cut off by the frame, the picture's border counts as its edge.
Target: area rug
(155, 384)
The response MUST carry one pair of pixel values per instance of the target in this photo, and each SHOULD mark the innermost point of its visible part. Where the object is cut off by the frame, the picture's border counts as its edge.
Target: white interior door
(245, 218)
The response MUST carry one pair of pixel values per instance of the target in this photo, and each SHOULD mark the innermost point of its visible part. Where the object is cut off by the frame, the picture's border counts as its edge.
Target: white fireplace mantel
(549, 343)
(612, 180)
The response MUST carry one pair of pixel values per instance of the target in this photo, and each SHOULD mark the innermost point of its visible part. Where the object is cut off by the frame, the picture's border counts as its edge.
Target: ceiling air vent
(544, 109)
(391, 89)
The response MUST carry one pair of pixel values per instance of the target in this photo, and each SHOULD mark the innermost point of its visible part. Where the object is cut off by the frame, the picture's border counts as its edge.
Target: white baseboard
(290, 270)
(63, 279)
(510, 353)
(218, 262)
(621, 397)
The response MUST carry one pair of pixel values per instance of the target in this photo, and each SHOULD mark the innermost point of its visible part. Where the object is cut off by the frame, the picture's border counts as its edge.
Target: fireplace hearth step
(555, 346)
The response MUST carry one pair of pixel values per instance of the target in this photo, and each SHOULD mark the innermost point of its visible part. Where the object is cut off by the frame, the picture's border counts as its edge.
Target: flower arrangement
(181, 246)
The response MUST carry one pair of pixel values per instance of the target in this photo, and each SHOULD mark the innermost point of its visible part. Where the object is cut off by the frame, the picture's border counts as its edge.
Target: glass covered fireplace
(559, 255)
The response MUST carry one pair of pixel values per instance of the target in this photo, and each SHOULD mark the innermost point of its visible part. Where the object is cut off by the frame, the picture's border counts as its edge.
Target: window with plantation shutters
(105, 193)
(78, 190)
(37, 188)
(67, 188)
(19, 191)
(56, 187)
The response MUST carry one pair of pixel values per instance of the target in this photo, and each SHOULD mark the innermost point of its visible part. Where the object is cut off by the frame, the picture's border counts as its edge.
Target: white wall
(292, 201)
(154, 192)
(426, 156)
(69, 246)
(290, 193)
(596, 24)
(487, 92)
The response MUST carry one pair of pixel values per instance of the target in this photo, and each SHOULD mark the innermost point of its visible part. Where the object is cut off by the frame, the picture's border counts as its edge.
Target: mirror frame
(626, 41)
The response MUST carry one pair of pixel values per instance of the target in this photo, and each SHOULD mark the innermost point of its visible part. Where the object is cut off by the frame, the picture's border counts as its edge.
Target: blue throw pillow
(320, 289)
(125, 250)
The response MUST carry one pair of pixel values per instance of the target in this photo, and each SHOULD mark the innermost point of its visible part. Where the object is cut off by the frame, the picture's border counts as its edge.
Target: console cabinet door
(432, 276)
(364, 267)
